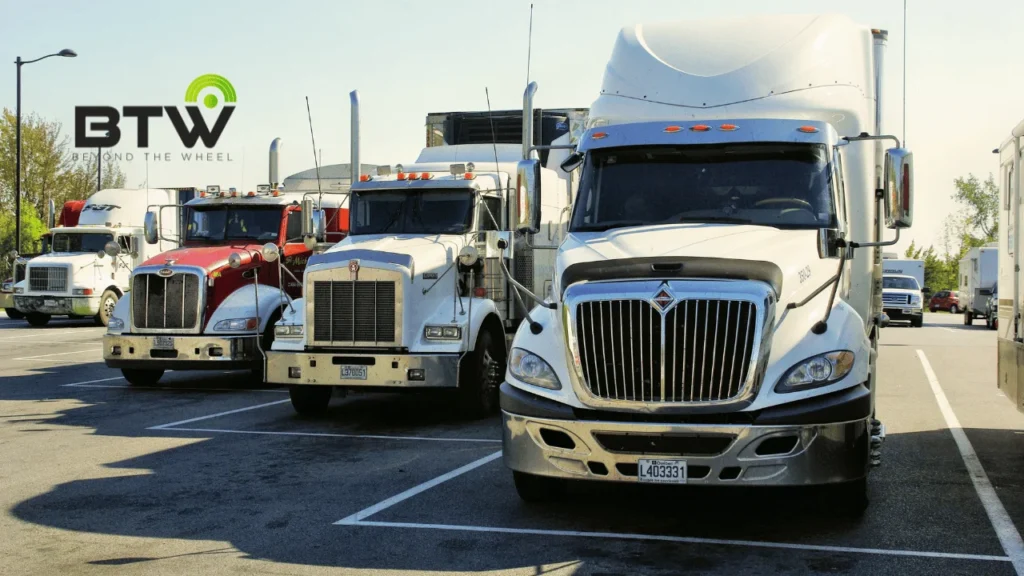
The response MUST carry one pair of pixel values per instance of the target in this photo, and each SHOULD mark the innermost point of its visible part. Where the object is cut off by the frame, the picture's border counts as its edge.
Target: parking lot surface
(212, 473)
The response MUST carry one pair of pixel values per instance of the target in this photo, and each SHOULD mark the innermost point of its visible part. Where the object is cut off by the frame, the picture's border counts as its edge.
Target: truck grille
(897, 299)
(165, 303)
(48, 279)
(698, 351)
(354, 311)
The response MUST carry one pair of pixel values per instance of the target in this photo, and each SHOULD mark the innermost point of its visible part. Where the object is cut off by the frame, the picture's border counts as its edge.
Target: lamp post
(66, 53)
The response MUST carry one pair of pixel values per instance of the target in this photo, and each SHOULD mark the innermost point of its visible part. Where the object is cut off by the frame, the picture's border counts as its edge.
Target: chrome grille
(698, 351)
(897, 299)
(354, 311)
(48, 279)
(166, 303)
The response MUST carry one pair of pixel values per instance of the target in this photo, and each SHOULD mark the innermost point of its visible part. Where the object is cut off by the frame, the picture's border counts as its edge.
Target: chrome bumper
(820, 454)
(57, 305)
(382, 370)
(192, 352)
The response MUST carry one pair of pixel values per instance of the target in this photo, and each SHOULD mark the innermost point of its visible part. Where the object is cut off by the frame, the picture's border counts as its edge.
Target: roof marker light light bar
(728, 127)
(701, 128)
(365, 177)
(599, 135)
(672, 129)
(414, 176)
(426, 176)
(807, 129)
(401, 176)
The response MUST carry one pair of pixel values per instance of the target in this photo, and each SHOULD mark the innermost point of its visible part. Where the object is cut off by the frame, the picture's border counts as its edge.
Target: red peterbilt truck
(211, 304)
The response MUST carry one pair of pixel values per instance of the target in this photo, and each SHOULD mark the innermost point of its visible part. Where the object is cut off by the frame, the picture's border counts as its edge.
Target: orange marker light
(401, 176)
(672, 129)
(425, 176)
(202, 194)
(479, 292)
(728, 127)
(469, 175)
(599, 135)
(701, 128)
(414, 176)
(807, 129)
(364, 177)
(276, 193)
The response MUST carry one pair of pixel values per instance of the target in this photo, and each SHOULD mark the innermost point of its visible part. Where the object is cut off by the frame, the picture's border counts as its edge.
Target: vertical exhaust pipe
(51, 215)
(531, 89)
(275, 151)
(354, 143)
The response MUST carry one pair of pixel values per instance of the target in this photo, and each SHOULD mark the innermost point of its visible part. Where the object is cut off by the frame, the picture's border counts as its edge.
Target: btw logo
(106, 118)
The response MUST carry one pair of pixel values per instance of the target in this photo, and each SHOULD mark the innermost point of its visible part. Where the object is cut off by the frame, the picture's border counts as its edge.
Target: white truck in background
(89, 265)
(417, 296)
(979, 271)
(715, 304)
(899, 267)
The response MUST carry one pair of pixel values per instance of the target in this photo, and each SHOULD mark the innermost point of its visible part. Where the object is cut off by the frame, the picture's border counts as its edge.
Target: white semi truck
(1009, 300)
(89, 265)
(715, 305)
(417, 297)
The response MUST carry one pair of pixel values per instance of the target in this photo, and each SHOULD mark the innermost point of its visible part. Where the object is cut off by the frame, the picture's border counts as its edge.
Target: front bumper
(192, 352)
(382, 370)
(786, 451)
(57, 305)
(903, 313)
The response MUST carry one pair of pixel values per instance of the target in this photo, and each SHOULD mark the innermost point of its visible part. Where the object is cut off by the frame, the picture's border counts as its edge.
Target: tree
(978, 224)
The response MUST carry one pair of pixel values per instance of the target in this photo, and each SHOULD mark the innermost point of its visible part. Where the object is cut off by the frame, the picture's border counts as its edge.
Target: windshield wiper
(602, 226)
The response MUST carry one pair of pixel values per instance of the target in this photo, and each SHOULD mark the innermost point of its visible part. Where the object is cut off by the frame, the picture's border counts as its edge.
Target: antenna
(904, 73)
(316, 163)
(529, 41)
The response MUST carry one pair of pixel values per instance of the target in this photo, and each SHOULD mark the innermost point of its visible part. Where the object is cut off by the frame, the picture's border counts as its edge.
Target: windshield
(900, 283)
(411, 212)
(772, 184)
(92, 242)
(219, 223)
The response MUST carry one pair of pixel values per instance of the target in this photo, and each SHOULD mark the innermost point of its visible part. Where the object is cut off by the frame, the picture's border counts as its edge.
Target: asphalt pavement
(211, 473)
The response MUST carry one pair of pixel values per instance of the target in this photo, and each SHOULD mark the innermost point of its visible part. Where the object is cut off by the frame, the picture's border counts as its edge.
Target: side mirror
(572, 162)
(528, 196)
(151, 228)
(899, 188)
(269, 252)
(828, 240)
(112, 249)
(926, 290)
(320, 225)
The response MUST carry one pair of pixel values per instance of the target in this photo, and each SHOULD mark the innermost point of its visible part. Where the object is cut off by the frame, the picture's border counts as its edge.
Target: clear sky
(408, 58)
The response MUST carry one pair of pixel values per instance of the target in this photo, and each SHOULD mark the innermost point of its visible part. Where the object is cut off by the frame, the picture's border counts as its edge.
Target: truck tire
(142, 376)
(107, 302)
(13, 314)
(917, 322)
(536, 489)
(968, 318)
(310, 400)
(480, 375)
(35, 319)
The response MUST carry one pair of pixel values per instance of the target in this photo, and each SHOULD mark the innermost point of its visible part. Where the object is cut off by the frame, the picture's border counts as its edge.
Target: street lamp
(66, 53)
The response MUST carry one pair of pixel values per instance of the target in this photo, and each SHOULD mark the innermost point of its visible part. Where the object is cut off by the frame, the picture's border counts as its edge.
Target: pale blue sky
(407, 58)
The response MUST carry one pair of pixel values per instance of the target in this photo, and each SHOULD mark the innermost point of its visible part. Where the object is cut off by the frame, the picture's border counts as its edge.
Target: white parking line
(367, 512)
(333, 435)
(58, 354)
(87, 382)
(217, 415)
(684, 540)
(28, 334)
(1009, 538)
(173, 388)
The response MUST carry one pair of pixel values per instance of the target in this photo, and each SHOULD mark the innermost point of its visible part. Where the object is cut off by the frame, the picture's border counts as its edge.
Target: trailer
(978, 273)
(1009, 298)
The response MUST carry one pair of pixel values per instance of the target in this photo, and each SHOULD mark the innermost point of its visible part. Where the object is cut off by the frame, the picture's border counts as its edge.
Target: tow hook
(877, 437)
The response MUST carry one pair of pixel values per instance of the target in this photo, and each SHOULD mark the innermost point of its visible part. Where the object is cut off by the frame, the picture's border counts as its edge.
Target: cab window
(293, 232)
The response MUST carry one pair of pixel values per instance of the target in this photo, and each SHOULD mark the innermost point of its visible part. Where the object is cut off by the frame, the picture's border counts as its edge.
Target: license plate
(350, 372)
(163, 342)
(50, 303)
(662, 471)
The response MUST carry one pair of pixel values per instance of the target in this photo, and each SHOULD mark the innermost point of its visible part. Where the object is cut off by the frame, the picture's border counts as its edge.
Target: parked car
(945, 300)
(992, 309)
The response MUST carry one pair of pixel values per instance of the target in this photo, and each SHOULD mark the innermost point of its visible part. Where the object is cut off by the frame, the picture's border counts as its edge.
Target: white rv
(1010, 296)
(90, 265)
(716, 302)
(979, 271)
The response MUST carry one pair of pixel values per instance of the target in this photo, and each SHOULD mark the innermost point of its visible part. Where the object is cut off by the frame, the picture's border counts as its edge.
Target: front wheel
(13, 314)
(310, 400)
(917, 321)
(535, 489)
(142, 376)
(480, 375)
(107, 302)
(35, 319)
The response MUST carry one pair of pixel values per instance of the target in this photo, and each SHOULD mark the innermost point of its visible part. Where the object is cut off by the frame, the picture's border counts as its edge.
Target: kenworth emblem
(165, 273)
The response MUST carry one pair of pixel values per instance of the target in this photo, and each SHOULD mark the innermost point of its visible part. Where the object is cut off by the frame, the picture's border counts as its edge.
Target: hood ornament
(169, 261)
(353, 269)
(663, 299)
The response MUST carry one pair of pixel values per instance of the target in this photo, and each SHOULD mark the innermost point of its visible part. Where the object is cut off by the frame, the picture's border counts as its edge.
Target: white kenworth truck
(715, 305)
(417, 296)
(89, 266)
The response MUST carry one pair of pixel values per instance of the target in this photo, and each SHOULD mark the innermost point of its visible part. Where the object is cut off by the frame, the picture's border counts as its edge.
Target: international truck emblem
(353, 268)
(165, 273)
(663, 299)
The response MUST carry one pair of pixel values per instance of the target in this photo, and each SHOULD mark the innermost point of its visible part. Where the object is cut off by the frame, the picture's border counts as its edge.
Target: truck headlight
(19, 290)
(915, 300)
(532, 369)
(236, 324)
(8, 287)
(115, 325)
(442, 333)
(290, 331)
(81, 291)
(817, 371)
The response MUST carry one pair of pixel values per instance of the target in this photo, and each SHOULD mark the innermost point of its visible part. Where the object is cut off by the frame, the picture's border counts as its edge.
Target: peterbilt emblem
(165, 272)
(353, 268)
(663, 299)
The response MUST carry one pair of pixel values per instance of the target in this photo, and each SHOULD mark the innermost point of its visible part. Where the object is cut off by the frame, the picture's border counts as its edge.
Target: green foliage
(32, 229)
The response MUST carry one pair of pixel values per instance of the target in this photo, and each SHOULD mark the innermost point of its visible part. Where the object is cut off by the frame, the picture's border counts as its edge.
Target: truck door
(295, 254)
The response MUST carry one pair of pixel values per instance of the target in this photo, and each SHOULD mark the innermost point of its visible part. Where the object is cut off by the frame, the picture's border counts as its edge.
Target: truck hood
(422, 253)
(209, 258)
(794, 252)
(77, 260)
